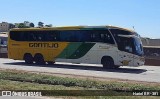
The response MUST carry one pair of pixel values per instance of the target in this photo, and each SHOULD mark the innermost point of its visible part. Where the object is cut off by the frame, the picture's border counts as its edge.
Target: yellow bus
(107, 45)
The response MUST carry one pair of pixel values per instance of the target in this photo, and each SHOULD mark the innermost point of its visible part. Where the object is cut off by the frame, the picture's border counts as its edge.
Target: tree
(31, 24)
(21, 25)
(50, 25)
(40, 24)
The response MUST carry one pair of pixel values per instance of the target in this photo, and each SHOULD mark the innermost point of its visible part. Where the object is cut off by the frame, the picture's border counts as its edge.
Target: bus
(110, 46)
(3, 43)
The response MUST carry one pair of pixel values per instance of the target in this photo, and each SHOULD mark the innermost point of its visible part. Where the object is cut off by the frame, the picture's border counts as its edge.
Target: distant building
(5, 27)
(150, 42)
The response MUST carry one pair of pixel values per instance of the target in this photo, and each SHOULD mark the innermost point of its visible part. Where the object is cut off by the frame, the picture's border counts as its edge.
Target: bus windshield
(130, 44)
(138, 46)
(128, 41)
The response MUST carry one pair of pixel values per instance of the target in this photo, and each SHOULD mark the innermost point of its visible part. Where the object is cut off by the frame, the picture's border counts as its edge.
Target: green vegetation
(16, 85)
(68, 82)
(22, 25)
(20, 80)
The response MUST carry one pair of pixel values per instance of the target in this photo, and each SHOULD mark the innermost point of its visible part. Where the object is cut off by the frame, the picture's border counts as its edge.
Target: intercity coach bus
(107, 45)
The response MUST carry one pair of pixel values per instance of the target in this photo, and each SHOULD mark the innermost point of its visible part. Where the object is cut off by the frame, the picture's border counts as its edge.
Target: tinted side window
(108, 38)
(52, 36)
(67, 36)
(23, 36)
(16, 35)
(86, 36)
(83, 36)
(96, 36)
(116, 32)
(75, 36)
(30, 36)
(33, 36)
(102, 36)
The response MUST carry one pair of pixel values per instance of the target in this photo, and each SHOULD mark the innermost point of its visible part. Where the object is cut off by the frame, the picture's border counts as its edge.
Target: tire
(28, 59)
(108, 63)
(50, 63)
(116, 67)
(38, 58)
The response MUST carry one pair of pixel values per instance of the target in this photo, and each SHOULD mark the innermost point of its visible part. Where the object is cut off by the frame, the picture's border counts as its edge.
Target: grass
(20, 80)
(69, 82)
(16, 85)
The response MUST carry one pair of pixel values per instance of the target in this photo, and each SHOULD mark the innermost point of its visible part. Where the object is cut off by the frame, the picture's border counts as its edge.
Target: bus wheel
(108, 63)
(116, 67)
(50, 63)
(38, 58)
(28, 59)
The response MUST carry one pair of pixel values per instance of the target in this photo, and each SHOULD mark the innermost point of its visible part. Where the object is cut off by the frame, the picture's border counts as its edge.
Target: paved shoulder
(143, 73)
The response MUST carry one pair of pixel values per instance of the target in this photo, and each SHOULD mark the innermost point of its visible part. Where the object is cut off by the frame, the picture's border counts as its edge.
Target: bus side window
(96, 36)
(16, 35)
(25, 36)
(40, 37)
(108, 38)
(83, 36)
(72, 36)
(31, 36)
(52, 36)
(79, 36)
(68, 36)
(102, 36)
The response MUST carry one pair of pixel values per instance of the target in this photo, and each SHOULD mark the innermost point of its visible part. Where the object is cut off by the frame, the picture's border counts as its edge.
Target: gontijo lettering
(44, 45)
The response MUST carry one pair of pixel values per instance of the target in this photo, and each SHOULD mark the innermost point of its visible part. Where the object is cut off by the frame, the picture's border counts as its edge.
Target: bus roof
(72, 28)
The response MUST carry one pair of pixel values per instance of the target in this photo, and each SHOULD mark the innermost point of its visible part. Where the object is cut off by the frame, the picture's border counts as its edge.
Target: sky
(144, 15)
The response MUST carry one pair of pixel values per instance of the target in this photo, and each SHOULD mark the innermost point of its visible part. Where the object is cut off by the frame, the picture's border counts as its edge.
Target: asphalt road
(142, 73)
